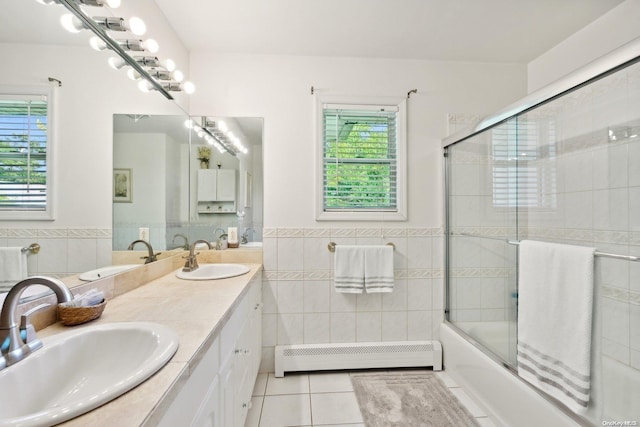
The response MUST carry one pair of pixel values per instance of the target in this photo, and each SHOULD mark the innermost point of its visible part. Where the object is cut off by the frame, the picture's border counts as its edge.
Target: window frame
(48, 213)
(401, 145)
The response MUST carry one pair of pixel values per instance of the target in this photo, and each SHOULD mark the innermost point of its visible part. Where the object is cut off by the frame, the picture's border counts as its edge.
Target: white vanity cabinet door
(188, 404)
(241, 344)
(207, 185)
(209, 414)
(226, 185)
(218, 392)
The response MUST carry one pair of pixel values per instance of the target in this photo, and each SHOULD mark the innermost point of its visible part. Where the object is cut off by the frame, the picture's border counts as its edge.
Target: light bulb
(189, 88)
(222, 126)
(151, 46)
(133, 74)
(178, 76)
(144, 86)
(46, 2)
(113, 4)
(188, 123)
(137, 26)
(71, 23)
(230, 135)
(97, 43)
(168, 64)
(116, 62)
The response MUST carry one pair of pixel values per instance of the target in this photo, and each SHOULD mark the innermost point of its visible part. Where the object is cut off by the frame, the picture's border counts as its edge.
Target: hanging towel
(378, 268)
(13, 267)
(555, 307)
(348, 273)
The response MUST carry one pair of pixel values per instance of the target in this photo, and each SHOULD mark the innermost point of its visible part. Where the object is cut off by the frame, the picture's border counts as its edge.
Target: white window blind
(360, 158)
(23, 152)
(524, 169)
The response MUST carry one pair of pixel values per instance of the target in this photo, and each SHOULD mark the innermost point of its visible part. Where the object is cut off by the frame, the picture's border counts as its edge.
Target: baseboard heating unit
(362, 355)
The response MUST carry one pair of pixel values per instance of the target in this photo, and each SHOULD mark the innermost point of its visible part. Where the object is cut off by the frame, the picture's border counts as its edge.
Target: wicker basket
(234, 245)
(77, 315)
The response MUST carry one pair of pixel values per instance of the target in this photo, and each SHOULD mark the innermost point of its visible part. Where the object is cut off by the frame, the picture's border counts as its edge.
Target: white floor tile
(253, 417)
(286, 410)
(261, 384)
(467, 402)
(289, 384)
(334, 408)
(330, 382)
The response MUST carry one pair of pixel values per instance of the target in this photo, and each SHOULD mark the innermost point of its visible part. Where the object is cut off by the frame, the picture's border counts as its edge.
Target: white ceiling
(460, 30)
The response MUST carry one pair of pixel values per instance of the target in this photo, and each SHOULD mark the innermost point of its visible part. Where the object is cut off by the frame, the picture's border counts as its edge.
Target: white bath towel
(378, 268)
(348, 275)
(555, 306)
(13, 267)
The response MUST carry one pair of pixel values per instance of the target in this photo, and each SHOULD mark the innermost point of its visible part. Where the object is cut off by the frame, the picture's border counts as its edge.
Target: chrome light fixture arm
(90, 24)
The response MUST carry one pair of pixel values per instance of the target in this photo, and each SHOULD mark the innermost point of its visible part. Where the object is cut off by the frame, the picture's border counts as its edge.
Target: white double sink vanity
(208, 381)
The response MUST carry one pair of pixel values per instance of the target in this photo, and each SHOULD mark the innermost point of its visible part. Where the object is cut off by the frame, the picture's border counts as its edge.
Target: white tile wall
(63, 251)
(301, 306)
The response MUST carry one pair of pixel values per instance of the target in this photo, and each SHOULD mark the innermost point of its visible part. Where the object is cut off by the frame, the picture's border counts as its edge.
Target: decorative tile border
(317, 232)
(619, 294)
(290, 232)
(56, 233)
(461, 273)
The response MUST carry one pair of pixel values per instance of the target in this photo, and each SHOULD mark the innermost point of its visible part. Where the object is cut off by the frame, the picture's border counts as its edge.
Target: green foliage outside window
(23, 149)
(359, 161)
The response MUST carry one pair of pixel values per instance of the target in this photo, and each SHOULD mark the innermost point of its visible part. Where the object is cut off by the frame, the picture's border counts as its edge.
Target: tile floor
(322, 399)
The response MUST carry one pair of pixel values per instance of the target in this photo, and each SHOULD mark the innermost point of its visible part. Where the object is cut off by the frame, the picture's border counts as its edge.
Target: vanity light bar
(97, 29)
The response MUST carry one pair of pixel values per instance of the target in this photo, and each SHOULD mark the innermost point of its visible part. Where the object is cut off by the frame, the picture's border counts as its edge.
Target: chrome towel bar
(517, 242)
(332, 246)
(34, 248)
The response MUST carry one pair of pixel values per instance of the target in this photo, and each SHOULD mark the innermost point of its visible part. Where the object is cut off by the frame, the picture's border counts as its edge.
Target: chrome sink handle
(18, 349)
(25, 323)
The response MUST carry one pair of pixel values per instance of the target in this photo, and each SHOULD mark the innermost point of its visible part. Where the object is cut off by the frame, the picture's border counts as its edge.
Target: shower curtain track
(517, 242)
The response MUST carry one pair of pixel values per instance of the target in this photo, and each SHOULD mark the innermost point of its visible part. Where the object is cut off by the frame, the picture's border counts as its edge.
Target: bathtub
(497, 336)
(493, 385)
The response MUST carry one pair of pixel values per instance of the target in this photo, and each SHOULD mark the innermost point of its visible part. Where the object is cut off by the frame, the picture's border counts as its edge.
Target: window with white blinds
(24, 148)
(524, 164)
(360, 158)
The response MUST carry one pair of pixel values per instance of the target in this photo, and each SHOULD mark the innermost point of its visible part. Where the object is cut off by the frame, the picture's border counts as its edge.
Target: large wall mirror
(100, 111)
(178, 188)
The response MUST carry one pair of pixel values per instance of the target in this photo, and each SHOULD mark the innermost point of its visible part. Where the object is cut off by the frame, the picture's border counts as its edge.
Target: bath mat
(408, 399)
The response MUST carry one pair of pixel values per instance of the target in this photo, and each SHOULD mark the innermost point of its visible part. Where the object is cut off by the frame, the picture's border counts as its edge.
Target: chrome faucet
(19, 348)
(151, 257)
(223, 235)
(186, 241)
(245, 235)
(192, 259)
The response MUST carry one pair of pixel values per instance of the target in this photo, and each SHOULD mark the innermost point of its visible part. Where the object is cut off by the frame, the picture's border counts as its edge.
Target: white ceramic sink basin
(213, 271)
(100, 273)
(77, 371)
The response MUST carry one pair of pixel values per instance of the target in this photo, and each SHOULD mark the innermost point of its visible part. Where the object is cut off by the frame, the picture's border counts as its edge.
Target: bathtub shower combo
(561, 166)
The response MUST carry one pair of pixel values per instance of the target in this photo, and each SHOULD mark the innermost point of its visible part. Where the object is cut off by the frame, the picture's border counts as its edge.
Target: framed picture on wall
(122, 186)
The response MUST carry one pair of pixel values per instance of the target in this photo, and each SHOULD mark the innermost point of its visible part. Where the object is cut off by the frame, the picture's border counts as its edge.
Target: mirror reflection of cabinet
(216, 191)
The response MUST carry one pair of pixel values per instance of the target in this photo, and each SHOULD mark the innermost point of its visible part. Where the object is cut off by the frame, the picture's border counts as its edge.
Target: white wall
(610, 31)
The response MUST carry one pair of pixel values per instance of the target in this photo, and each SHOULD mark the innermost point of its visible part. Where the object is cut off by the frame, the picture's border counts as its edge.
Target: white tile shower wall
(301, 306)
(63, 251)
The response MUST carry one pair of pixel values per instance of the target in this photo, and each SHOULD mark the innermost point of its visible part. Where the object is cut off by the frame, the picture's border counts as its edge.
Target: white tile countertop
(195, 310)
